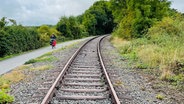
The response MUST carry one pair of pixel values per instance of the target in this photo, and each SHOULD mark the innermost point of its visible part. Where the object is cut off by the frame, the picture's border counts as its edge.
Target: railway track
(83, 79)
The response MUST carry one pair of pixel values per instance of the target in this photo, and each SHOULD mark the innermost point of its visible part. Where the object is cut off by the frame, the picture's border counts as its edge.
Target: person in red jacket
(53, 41)
(54, 44)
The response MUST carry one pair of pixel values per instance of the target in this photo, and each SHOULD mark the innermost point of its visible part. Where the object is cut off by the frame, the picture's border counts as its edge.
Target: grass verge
(162, 51)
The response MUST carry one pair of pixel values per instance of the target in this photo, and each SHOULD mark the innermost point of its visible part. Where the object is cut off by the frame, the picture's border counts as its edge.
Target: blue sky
(38, 12)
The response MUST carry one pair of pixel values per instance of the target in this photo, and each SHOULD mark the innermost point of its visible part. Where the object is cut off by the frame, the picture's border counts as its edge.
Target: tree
(3, 22)
(63, 27)
(14, 23)
(136, 16)
(70, 27)
(98, 19)
(16, 39)
(118, 8)
(45, 32)
(89, 22)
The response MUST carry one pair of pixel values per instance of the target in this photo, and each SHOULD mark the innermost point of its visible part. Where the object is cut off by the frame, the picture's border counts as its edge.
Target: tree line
(15, 38)
(124, 18)
(135, 17)
(97, 20)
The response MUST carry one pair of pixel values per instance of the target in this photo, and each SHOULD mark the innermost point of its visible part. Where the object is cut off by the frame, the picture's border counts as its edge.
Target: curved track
(83, 79)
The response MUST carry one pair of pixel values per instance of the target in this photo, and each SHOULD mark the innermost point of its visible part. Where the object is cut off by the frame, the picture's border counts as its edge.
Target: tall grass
(162, 49)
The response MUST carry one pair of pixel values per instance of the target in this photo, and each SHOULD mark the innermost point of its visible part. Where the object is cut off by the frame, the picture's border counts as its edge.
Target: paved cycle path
(11, 63)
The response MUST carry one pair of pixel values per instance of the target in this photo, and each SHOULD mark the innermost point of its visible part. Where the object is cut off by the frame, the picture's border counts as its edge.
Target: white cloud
(178, 4)
(38, 12)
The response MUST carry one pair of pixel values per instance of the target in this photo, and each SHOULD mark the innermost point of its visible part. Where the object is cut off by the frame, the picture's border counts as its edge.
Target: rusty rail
(56, 83)
(51, 91)
(114, 95)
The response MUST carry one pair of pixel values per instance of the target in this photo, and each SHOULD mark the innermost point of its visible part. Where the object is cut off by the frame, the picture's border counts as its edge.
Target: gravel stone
(131, 86)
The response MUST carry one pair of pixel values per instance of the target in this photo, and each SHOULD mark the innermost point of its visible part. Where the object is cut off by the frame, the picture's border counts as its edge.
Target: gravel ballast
(131, 86)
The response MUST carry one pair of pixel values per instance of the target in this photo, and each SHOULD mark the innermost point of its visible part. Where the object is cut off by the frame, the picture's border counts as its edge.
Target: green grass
(9, 56)
(46, 57)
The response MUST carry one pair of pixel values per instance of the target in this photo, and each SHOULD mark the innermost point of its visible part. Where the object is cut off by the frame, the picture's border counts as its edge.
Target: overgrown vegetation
(160, 50)
(135, 17)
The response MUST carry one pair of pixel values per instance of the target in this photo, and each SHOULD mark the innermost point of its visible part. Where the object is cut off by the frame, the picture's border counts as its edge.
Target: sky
(178, 4)
(39, 12)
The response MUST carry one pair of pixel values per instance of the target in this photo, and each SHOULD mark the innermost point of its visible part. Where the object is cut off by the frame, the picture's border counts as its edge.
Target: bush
(5, 98)
(16, 39)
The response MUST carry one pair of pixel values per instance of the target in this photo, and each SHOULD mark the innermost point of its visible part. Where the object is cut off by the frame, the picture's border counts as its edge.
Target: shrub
(16, 39)
(5, 98)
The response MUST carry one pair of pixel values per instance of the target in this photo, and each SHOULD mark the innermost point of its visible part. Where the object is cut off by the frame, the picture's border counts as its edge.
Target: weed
(160, 96)
(140, 65)
(44, 67)
(166, 73)
(14, 76)
(162, 48)
(118, 83)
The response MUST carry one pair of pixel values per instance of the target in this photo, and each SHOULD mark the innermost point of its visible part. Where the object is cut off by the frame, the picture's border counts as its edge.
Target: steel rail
(56, 83)
(51, 91)
(114, 95)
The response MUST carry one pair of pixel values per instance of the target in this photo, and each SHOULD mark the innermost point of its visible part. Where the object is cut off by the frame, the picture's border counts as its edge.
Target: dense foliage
(70, 27)
(16, 38)
(135, 17)
(150, 34)
(97, 20)
(160, 52)
(45, 32)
